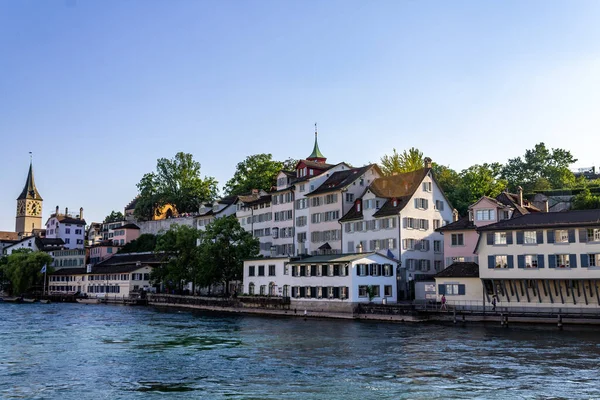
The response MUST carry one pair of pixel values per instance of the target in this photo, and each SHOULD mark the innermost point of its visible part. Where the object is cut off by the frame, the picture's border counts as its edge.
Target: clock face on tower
(20, 207)
(34, 208)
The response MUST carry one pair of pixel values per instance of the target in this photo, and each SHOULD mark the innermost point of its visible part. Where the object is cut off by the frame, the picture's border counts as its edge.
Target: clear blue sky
(99, 90)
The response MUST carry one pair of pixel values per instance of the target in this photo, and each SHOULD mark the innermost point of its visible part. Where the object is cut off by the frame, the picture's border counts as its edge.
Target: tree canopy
(258, 171)
(181, 256)
(540, 169)
(408, 161)
(144, 243)
(585, 200)
(224, 245)
(114, 216)
(21, 270)
(204, 258)
(176, 181)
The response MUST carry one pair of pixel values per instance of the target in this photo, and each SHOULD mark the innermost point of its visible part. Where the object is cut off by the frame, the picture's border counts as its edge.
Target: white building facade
(542, 259)
(68, 227)
(334, 278)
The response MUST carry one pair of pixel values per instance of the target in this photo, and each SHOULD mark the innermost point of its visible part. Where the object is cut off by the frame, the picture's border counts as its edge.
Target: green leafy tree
(540, 167)
(585, 200)
(23, 270)
(177, 181)
(181, 257)
(449, 181)
(144, 243)
(477, 181)
(114, 216)
(224, 246)
(258, 171)
(408, 161)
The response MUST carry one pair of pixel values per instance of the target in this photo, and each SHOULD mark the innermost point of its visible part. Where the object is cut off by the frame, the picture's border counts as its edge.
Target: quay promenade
(402, 312)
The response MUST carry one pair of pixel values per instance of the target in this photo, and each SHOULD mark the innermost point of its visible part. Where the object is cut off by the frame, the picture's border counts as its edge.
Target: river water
(74, 351)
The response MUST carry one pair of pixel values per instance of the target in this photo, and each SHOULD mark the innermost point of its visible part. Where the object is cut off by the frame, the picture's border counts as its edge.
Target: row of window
(423, 265)
(372, 225)
(253, 271)
(538, 261)
(104, 289)
(537, 237)
(282, 198)
(325, 236)
(325, 216)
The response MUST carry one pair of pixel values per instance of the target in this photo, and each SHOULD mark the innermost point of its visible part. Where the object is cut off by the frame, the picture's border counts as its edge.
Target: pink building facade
(125, 234)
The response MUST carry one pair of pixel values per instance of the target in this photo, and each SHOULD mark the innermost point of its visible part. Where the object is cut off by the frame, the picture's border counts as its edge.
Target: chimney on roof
(455, 215)
(80, 212)
(56, 211)
(427, 162)
(66, 210)
(254, 191)
(546, 208)
(520, 191)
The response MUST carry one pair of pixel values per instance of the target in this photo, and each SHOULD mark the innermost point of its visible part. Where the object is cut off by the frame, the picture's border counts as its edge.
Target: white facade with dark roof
(335, 278)
(68, 227)
(542, 259)
(398, 215)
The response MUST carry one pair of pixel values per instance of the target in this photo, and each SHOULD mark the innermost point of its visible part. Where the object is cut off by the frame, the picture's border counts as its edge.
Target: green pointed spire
(30, 191)
(316, 154)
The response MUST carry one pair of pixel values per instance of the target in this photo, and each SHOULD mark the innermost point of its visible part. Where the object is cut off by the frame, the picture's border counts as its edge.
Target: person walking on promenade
(494, 303)
(443, 307)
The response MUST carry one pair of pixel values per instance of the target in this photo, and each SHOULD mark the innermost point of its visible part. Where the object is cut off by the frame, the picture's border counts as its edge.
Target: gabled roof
(49, 244)
(400, 188)
(460, 270)
(352, 213)
(30, 191)
(128, 226)
(463, 224)
(340, 258)
(64, 219)
(512, 200)
(542, 220)
(132, 258)
(255, 198)
(12, 236)
(340, 179)
(315, 165)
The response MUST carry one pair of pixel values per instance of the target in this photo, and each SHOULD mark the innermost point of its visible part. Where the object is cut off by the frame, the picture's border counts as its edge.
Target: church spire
(30, 191)
(316, 154)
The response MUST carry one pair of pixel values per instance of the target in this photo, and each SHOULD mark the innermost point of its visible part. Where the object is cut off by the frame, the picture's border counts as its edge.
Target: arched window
(272, 289)
(251, 288)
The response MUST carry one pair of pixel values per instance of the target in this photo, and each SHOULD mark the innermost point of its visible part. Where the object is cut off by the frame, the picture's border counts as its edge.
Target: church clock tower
(29, 208)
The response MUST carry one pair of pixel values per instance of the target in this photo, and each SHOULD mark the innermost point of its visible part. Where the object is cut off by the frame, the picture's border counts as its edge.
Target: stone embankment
(408, 312)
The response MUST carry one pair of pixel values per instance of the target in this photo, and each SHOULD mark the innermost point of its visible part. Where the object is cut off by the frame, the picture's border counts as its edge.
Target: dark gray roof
(542, 220)
(340, 179)
(463, 224)
(129, 258)
(460, 270)
(30, 191)
(333, 258)
(49, 244)
(128, 226)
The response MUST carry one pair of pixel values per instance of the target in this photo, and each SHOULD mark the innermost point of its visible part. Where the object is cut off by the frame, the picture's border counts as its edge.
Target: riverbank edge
(501, 319)
(291, 313)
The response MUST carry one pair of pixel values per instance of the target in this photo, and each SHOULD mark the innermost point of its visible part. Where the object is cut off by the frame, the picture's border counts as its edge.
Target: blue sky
(99, 90)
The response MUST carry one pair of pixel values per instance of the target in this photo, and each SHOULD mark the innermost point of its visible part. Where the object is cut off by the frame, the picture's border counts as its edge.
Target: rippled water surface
(74, 351)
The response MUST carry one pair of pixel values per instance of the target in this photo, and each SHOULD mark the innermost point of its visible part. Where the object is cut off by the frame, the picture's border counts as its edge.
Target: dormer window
(485, 215)
(358, 206)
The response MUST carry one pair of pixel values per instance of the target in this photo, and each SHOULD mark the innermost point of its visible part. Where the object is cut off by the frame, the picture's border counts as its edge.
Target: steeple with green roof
(316, 154)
